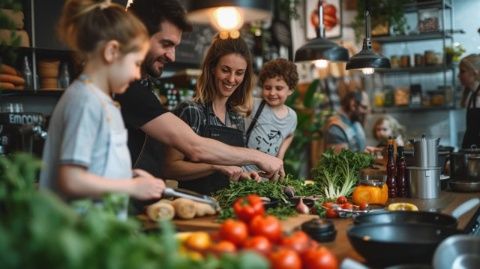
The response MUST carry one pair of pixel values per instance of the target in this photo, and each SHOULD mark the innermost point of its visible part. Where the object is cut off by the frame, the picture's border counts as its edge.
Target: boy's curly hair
(279, 68)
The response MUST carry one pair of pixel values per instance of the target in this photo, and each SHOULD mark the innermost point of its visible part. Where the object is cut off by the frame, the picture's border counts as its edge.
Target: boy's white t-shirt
(270, 131)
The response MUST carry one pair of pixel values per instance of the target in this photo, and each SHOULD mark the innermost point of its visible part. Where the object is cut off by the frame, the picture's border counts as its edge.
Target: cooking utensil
(417, 217)
(458, 251)
(393, 242)
(464, 186)
(388, 244)
(183, 193)
(425, 151)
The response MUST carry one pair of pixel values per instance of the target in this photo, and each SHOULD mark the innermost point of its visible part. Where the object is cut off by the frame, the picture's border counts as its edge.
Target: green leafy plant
(8, 51)
(309, 126)
(37, 229)
(454, 52)
(390, 11)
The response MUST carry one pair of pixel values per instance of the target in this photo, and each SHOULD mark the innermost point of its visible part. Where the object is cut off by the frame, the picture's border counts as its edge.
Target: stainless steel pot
(465, 165)
(425, 151)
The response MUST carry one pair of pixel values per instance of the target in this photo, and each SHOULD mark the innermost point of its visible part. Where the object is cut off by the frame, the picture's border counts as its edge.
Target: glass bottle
(64, 79)
(27, 74)
(402, 187)
(391, 182)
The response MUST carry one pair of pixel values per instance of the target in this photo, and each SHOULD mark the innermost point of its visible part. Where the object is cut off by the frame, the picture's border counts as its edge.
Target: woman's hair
(153, 12)
(472, 63)
(395, 126)
(86, 24)
(282, 68)
(241, 100)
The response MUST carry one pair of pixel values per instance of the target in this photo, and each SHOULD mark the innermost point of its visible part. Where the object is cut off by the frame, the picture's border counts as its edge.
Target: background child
(385, 127)
(86, 152)
(272, 122)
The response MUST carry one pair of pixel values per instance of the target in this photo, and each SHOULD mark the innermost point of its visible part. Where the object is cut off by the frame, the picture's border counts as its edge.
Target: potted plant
(386, 15)
(453, 53)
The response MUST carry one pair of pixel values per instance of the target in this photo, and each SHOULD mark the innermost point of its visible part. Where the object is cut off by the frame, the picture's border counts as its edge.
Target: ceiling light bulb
(320, 64)
(368, 71)
(227, 18)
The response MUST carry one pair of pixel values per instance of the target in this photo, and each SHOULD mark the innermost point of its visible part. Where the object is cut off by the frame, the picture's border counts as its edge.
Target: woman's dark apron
(216, 181)
(472, 134)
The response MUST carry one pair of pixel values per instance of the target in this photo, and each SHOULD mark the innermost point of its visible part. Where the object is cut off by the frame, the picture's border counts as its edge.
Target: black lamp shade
(320, 48)
(253, 10)
(367, 59)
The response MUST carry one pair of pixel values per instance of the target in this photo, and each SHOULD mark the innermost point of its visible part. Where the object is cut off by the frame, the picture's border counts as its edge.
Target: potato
(184, 208)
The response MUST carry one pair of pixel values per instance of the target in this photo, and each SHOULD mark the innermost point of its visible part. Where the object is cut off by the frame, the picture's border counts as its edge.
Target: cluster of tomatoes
(331, 208)
(256, 231)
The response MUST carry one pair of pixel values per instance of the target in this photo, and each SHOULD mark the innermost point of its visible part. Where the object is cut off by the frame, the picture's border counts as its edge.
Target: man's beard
(358, 117)
(149, 69)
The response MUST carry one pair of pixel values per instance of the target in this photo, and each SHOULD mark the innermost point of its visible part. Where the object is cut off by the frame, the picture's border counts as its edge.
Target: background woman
(223, 97)
(469, 76)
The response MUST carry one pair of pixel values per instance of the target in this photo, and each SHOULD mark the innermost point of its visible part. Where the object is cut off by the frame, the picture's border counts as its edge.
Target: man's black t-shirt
(139, 105)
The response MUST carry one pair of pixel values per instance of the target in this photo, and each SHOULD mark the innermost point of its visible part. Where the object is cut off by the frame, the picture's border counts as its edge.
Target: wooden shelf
(413, 37)
(421, 69)
(42, 92)
(398, 109)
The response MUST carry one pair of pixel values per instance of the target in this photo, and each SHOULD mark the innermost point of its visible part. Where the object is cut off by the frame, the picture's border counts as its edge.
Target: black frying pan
(385, 244)
(418, 217)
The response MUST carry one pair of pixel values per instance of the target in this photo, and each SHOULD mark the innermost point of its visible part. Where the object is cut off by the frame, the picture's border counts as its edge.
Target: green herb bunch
(337, 174)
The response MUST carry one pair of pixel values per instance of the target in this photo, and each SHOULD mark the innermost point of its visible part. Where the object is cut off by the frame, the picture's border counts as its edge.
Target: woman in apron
(86, 154)
(223, 98)
(469, 76)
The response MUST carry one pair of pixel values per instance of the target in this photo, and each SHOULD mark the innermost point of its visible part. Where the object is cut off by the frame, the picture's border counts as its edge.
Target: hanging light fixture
(228, 16)
(366, 58)
(321, 48)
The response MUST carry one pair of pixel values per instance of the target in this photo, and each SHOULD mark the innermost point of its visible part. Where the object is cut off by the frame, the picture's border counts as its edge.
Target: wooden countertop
(447, 202)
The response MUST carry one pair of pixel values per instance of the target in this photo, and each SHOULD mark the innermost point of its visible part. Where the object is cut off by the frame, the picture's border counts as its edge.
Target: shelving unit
(432, 78)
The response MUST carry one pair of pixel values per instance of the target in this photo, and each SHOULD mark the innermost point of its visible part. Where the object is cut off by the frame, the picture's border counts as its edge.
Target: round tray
(464, 186)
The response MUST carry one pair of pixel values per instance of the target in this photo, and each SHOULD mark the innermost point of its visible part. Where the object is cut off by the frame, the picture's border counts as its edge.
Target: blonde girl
(385, 127)
(86, 152)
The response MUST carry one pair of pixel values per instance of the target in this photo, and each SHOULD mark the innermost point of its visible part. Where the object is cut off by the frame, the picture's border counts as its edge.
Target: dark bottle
(391, 182)
(402, 184)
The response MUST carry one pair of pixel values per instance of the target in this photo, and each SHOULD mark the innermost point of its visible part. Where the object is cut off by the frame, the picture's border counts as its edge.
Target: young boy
(272, 122)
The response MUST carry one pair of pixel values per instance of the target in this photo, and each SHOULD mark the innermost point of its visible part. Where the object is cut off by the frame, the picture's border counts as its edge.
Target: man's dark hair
(354, 95)
(154, 12)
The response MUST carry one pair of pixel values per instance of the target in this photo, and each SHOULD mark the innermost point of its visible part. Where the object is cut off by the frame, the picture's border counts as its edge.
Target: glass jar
(371, 191)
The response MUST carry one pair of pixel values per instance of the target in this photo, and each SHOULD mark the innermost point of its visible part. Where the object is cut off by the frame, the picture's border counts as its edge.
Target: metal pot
(458, 251)
(465, 165)
(425, 151)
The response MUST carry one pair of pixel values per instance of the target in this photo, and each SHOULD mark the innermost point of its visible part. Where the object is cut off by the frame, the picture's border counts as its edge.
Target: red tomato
(341, 200)
(331, 213)
(347, 205)
(363, 205)
(234, 231)
(319, 258)
(258, 243)
(223, 247)
(246, 208)
(329, 204)
(268, 226)
(298, 241)
(284, 258)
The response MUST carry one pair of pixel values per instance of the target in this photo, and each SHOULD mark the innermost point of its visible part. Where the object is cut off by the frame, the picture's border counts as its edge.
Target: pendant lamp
(228, 15)
(320, 47)
(366, 58)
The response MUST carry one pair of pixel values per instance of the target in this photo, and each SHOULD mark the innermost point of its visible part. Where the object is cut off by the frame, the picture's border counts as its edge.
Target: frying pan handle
(465, 207)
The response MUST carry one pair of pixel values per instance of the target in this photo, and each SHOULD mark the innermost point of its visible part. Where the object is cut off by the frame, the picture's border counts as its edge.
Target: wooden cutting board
(210, 224)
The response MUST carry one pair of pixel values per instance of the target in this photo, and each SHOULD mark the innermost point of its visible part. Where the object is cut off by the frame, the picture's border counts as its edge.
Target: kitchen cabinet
(421, 83)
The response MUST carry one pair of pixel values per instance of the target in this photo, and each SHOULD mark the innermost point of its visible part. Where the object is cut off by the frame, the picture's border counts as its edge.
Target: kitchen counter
(447, 202)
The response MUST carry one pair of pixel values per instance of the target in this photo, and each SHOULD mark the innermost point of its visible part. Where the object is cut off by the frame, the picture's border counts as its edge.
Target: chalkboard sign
(194, 45)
